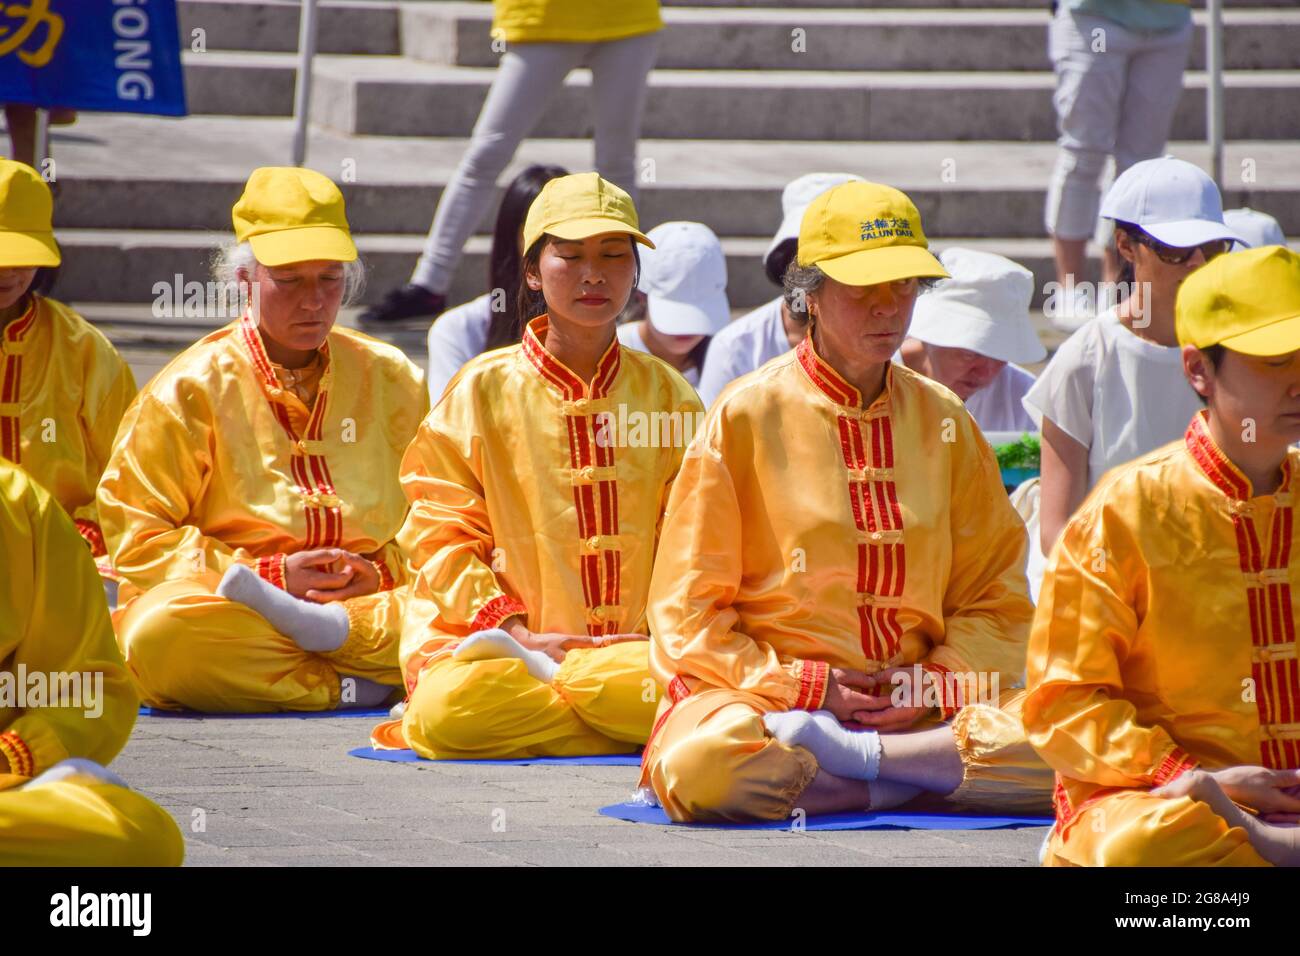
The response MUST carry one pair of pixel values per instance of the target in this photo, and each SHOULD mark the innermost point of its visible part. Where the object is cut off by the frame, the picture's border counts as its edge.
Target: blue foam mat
(596, 760)
(374, 713)
(884, 819)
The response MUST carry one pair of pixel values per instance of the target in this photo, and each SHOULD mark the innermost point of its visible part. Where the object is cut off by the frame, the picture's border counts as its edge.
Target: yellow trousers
(1134, 828)
(84, 822)
(602, 701)
(188, 647)
(713, 760)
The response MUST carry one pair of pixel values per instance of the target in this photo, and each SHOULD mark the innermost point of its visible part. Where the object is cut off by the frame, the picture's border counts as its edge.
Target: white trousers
(527, 77)
(1119, 103)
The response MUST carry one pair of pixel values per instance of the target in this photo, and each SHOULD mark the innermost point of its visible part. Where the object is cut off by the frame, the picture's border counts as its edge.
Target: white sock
(496, 644)
(359, 693)
(854, 754)
(320, 628)
(77, 768)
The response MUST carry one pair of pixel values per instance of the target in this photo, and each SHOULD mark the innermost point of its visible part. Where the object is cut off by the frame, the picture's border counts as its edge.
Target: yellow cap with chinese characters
(579, 206)
(1247, 301)
(289, 215)
(862, 233)
(26, 218)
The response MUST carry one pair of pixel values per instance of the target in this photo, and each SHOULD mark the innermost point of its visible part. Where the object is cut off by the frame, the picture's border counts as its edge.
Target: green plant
(1020, 454)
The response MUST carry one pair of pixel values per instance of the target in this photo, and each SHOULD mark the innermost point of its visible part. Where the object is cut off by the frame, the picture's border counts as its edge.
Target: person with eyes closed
(535, 512)
(252, 499)
(838, 609)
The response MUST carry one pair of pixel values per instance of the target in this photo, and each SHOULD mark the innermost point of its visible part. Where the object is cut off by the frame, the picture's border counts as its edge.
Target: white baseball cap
(684, 278)
(984, 308)
(796, 196)
(1257, 228)
(1172, 200)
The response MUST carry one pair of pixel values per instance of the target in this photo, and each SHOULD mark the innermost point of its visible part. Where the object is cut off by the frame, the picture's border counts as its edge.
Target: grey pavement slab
(281, 792)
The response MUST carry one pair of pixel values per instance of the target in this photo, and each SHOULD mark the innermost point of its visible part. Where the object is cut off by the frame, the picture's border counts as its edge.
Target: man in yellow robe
(66, 703)
(252, 498)
(840, 564)
(63, 387)
(537, 485)
(1162, 662)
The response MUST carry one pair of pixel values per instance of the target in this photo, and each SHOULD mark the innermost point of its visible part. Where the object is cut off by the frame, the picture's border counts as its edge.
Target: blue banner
(117, 56)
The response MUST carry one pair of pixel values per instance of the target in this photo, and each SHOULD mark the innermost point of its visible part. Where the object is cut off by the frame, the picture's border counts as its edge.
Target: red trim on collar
(1213, 463)
(19, 326)
(828, 381)
(569, 385)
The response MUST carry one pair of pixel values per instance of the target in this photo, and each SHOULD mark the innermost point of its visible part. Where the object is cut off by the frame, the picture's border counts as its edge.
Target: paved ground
(284, 792)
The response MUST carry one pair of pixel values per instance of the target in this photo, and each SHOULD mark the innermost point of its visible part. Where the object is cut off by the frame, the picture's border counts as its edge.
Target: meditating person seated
(66, 702)
(1162, 661)
(63, 387)
(252, 496)
(968, 332)
(838, 609)
(537, 485)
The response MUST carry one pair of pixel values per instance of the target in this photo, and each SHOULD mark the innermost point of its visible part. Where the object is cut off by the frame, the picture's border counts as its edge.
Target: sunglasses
(1177, 255)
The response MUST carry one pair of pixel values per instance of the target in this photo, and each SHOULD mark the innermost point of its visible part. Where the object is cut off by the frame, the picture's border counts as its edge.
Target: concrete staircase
(952, 105)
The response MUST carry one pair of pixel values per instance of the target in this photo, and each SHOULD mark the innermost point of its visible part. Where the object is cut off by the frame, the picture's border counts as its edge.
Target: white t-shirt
(1118, 394)
(749, 342)
(999, 407)
(629, 336)
(457, 336)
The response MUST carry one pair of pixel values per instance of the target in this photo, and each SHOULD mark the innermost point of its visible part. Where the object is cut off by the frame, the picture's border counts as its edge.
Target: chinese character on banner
(119, 56)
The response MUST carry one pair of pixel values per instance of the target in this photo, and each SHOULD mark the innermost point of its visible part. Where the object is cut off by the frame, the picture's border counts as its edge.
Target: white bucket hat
(1257, 228)
(1172, 200)
(684, 278)
(796, 196)
(983, 308)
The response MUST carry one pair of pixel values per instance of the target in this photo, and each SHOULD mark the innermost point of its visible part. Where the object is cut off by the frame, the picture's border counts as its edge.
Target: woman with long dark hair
(491, 321)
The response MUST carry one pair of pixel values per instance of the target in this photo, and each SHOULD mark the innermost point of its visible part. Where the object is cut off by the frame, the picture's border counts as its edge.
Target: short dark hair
(779, 259)
(1214, 353)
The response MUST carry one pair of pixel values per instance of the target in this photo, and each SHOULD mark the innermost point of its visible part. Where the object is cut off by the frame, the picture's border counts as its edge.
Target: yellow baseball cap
(1247, 301)
(293, 215)
(581, 205)
(26, 214)
(862, 233)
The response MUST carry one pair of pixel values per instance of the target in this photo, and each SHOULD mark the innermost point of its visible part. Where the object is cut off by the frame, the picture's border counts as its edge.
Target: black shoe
(409, 302)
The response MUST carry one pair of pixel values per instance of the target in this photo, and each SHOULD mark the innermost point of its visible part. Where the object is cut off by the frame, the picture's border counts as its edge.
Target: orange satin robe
(1165, 639)
(806, 532)
(216, 463)
(536, 494)
(63, 392)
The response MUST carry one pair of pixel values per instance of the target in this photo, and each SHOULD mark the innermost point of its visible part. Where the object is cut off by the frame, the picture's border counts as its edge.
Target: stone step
(111, 176)
(707, 37)
(138, 266)
(877, 4)
(403, 97)
(351, 26)
(457, 33)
